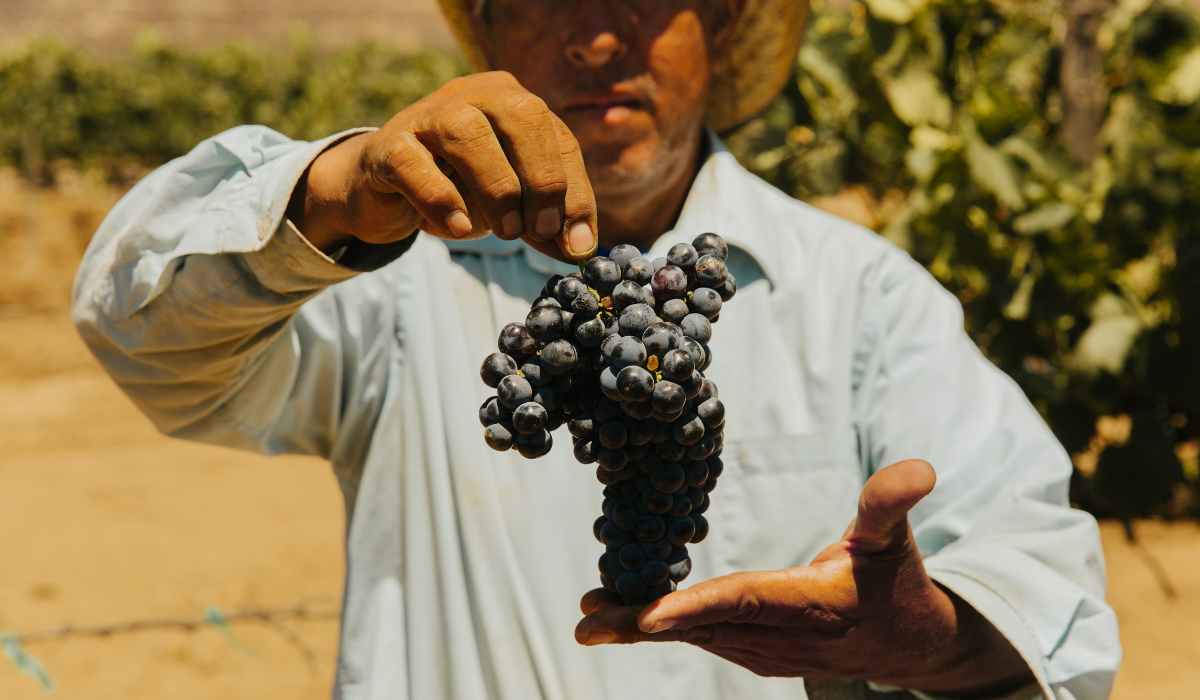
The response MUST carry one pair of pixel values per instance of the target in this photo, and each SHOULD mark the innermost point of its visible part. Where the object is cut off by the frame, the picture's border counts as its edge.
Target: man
(275, 295)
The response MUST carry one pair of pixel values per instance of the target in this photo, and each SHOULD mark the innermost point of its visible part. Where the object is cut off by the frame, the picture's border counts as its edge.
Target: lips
(603, 102)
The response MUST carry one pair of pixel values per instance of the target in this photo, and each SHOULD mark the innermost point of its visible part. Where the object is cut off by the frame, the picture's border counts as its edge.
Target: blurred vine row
(1042, 159)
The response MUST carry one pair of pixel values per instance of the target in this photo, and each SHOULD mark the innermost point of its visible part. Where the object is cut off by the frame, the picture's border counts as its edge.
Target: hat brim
(754, 69)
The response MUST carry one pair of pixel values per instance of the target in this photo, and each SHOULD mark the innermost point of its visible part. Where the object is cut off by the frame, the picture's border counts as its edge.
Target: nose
(602, 48)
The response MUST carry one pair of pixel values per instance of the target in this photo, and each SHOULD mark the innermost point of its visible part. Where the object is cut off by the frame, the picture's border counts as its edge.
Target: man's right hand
(480, 154)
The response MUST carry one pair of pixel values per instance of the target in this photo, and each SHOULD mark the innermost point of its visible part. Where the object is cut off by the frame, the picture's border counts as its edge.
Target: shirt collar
(724, 199)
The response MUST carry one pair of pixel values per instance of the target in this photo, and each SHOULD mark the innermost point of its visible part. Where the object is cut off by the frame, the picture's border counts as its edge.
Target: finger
(580, 228)
(597, 599)
(737, 598)
(887, 497)
(467, 142)
(619, 625)
(405, 166)
(522, 121)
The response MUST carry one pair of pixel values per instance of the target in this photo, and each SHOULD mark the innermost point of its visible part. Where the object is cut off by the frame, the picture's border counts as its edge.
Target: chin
(616, 167)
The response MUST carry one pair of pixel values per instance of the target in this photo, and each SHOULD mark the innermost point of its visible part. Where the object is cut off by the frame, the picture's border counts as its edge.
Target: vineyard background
(1041, 158)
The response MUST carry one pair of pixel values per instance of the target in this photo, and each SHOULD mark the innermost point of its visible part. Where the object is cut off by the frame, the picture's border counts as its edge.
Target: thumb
(882, 520)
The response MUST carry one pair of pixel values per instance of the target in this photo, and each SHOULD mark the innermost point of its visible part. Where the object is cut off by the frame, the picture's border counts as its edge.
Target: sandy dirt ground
(104, 521)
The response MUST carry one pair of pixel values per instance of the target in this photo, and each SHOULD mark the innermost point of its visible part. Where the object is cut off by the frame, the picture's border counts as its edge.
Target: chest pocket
(780, 500)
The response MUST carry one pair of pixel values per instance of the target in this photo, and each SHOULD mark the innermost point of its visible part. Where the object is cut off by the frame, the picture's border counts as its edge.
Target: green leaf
(1107, 341)
(916, 96)
(1182, 84)
(991, 169)
(1047, 217)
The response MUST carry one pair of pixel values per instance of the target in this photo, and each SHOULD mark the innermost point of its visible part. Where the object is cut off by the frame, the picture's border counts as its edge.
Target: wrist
(320, 199)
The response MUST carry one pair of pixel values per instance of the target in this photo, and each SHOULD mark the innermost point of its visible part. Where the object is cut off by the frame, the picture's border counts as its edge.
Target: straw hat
(754, 70)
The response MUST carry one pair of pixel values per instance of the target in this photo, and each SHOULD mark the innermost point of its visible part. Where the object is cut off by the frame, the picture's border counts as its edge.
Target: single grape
(680, 568)
(636, 319)
(670, 451)
(710, 272)
(668, 478)
(606, 345)
(585, 304)
(681, 506)
(696, 473)
(590, 333)
(700, 527)
(674, 310)
(660, 549)
(657, 502)
(602, 274)
(655, 572)
(639, 270)
(626, 294)
(691, 387)
(627, 352)
(640, 432)
(611, 460)
(608, 384)
(706, 301)
(711, 244)
(597, 529)
(630, 586)
(689, 432)
(650, 528)
(666, 417)
(712, 412)
(559, 356)
(668, 397)
(534, 446)
(728, 288)
(678, 365)
(682, 255)
(495, 367)
(622, 254)
(625, 516)
(582, 427)
(585, 451)
(697, 327)
(498, 437)
(516, 341)
(491, 413)
(696, 350)
(659, 338)
(670, 282)
(708, 390)
(704, 448)
(568, 289)
(635, 383)
(715, 467)
(529, 418)
(545, 324)
(632, 556)
(613, 435)
(637, 409)
(513, 391)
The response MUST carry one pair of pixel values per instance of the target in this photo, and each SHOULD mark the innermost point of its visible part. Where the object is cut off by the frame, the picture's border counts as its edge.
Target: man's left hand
(863, 609)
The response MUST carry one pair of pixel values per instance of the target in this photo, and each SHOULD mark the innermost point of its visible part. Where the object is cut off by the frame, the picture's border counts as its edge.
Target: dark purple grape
(545, 324)
(712, 412)
(513, 391)
(498, 437)
(696, 350)
(491, 413)
(728, 288)
(635, 319)
(680, 530)
(548, 302)
(708, 390)
(613, 435)
(696, 473)
(608, 384)
(715, 467)
(559, 356)
(582, 427)
(711, 244)
(534, 446)
(660, 337)
(655, 572)
(516, 341)
(707, 302)
(606, 411)
(682, 255)
(627, 352)
(624, 516)
(622, 254)
(585, 451)
(650, 528)
(681, 506)
(635, 383)
(710, 272)
(602, 274)
(639, 270)
(606, 345)
(678, 365)
(590, 333)
(670, 282)
(495, 367)
(569, 289)
(667, 478)
(680, 568)
(626, 294)
(700, 525)
(674, 310)
(640, 432)
(630, 586)
(657, 502)
(704, 448)
(638, 409)
(611, 460)
(689, 432)
(670, 451)
(697, 327)
(668, 397)
(691, 387)
(598, 528)
(529, 418)
(632, 556)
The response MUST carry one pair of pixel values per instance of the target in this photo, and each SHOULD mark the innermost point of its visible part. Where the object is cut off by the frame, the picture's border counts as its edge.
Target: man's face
(629, 77)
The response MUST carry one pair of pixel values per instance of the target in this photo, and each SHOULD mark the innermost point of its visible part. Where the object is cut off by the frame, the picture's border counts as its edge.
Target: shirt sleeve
(997, 530)
(212, 312)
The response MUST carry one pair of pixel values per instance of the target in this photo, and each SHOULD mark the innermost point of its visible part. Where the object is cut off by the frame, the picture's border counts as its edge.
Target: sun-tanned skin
(597, 125)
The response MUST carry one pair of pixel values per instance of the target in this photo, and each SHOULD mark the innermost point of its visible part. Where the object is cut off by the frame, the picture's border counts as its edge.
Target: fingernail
(580, 239)
(459, 224)
(548, 223)
(600, 637)
(511, 224)
(661, 626)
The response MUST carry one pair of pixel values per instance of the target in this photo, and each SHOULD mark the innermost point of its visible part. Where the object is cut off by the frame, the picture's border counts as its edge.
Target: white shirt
(839, 356)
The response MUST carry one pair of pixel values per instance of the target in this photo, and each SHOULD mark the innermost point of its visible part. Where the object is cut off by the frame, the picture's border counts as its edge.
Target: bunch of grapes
(617, 352)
